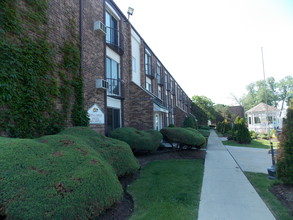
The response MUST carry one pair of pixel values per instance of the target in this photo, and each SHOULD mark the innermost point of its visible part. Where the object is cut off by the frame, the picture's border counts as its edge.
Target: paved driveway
(251, 159)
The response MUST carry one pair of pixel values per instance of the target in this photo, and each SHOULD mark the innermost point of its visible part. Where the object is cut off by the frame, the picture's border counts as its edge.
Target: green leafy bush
(240, 131)
(253, 134)
(285, 157)
(65, 176)
(204, 132)
(190, 122)
(117, 153)
(224, 127)
(205, 127)
(183, 136)
(138, 140)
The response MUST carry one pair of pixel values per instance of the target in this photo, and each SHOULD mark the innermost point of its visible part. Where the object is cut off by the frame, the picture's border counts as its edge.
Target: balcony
(149, 72)
(168, 87)
(116, 88)
(161, 81)
(115, 40)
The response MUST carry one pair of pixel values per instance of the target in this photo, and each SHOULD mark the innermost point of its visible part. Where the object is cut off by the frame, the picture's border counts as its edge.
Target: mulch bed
(123, 209)
(285, 194)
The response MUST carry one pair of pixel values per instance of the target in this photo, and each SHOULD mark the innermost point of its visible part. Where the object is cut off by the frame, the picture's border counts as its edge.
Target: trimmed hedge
(117, 153)
(59, 176)
(138, 140)
(183, 136)
(204, 132)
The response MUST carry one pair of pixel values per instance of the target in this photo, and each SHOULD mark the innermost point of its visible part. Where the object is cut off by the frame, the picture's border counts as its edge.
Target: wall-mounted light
(130, 12)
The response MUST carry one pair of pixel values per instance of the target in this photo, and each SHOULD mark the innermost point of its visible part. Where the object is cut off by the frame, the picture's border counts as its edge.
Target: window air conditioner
(99, 26)
(101, 84)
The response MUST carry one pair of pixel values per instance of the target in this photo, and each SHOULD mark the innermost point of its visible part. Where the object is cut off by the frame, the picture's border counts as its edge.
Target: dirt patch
(123, 209)
(285, 194)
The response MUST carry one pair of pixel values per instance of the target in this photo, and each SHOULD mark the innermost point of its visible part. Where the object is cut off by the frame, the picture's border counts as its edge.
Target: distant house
(236, 111)
(257, 118)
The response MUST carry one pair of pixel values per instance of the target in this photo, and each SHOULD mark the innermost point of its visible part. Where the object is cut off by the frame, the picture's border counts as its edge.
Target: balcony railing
(161, 81)
(173, 91)
(116, 88)
(115, 40)
(149, 71)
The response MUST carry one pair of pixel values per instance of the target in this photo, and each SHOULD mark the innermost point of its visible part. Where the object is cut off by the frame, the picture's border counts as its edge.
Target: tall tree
(285, 89)
(206, 105)
(270, 91)
(201, 116)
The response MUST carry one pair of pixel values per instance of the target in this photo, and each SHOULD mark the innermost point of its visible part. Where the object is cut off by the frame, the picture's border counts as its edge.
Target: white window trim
(112, 11)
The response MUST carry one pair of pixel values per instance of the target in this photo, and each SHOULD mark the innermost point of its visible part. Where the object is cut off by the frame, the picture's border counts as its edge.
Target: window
(159, 92)
(148, 85)
(270, 119)
(113, 77)
(256, 120)
(113, 119)
(112, 36)
(167, 120)
(148, 63)
(171, 84)
(133, 65)
(249, 120)
(165, 80)
(159, 72)
(167, 99)
(173, 119)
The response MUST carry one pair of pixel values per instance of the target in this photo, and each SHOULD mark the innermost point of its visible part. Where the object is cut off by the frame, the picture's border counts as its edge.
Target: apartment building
(125, 83)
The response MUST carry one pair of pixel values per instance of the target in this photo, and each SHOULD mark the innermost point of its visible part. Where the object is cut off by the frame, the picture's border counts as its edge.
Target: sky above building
(212, 47)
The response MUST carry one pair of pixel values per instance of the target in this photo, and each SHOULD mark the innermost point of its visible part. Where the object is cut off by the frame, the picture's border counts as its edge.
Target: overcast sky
(213, 47)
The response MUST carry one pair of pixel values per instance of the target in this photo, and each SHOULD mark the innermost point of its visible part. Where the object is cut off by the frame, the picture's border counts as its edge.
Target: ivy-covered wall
(39, 93)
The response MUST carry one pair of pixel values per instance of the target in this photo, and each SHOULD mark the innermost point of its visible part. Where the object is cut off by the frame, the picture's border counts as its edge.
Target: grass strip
(259, 143)
(262, 185)
(168, 189)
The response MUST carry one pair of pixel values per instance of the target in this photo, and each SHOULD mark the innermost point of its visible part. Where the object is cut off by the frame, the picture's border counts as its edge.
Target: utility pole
(272, 169)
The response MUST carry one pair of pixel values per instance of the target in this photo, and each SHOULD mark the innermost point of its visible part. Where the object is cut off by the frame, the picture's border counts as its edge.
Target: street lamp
(130, 12)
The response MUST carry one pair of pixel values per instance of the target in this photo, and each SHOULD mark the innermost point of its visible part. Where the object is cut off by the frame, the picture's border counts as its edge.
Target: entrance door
(113, 119)
(158, 121)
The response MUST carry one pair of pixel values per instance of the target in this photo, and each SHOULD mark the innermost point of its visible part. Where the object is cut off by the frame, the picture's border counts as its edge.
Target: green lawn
(257, 143)
(262, 184)
(168, 189)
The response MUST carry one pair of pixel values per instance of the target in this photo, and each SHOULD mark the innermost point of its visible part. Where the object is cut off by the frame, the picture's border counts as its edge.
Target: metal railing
(115, 40)
(149, 71)
(116, 88)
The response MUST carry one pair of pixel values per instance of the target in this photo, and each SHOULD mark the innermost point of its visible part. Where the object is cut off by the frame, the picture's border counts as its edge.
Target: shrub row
(183, 136)
(70, 175)
(138, 140)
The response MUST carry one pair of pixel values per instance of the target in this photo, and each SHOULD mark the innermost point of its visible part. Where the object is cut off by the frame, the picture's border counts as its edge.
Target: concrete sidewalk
(226, 193)
(251, 159)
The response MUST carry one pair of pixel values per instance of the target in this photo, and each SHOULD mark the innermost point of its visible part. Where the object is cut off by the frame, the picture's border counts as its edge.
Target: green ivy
(26, 89)
(71, 62)
(9, 17)
(31, 82)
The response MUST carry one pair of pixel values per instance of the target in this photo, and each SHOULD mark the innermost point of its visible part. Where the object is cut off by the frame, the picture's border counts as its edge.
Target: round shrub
(55, 177)
(183, 136)
(204, 132)
(138, 140)
(117, 153)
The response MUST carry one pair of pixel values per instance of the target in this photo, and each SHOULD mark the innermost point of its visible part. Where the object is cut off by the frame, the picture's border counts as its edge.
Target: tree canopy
(270, 91)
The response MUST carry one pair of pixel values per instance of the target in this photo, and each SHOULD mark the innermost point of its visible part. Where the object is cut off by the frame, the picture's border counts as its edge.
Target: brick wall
(140, 108)
(179, 117)
(93, 56)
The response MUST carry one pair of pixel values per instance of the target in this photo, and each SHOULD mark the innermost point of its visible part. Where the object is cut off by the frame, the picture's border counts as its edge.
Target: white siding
(135, 43)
